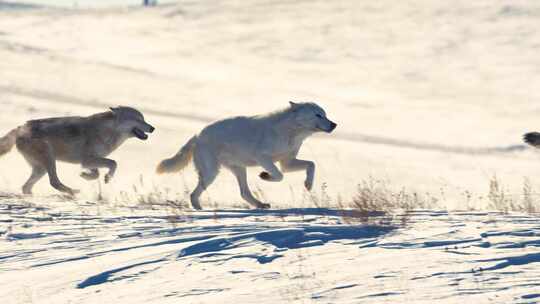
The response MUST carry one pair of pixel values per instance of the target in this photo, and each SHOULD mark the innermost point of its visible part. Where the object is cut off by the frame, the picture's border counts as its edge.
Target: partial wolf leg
(241, 177)
(294, 164)
(37, 173)
(38, 166)
(208, 168)
(39, 153)
(90, 174)
(99, 162)
(53, 176)
(272, 173)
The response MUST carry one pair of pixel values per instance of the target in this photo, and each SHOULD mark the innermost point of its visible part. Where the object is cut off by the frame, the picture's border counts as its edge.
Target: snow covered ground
(433, 96)
(52, 253)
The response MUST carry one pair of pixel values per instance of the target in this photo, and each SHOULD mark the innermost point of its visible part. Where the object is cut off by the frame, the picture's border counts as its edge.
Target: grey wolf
(240, 142)
(532, 138)
(79, 140)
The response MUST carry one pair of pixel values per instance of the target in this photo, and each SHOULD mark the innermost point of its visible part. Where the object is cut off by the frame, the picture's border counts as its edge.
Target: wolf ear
(293, 104)
(114, 110)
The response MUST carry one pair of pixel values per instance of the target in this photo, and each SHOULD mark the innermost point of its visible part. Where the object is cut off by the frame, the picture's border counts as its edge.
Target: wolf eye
(318, 115)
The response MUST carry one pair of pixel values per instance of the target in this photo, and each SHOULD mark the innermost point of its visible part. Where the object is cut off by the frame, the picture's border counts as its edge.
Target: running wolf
(239, 142)
(80, 140)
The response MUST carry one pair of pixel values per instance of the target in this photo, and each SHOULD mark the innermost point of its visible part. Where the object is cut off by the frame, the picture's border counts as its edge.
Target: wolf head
(132, 122)
(311, 117)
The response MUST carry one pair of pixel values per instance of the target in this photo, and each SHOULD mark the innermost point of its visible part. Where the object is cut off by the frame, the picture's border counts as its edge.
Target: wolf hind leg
(39, 154)
(245, 192)
(37, 173)
(208, 168)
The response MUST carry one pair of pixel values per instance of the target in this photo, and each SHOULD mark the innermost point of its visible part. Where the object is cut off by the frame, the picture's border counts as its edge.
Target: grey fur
(80, 140)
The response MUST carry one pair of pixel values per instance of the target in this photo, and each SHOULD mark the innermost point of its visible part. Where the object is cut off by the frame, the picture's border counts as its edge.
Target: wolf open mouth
(139, 134)
(327, 130)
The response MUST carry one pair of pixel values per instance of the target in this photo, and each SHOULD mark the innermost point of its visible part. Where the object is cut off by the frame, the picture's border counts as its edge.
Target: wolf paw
(90, 174)
(263, 206)
(308, 184)
(108, 177)
(265, 175)
(72, 192)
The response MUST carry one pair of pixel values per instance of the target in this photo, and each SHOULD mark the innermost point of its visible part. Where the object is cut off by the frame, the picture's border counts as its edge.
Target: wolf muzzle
(333, 125)
(141, 133)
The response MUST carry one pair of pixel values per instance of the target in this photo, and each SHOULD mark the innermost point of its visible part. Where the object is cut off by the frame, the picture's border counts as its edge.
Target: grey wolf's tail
(532, 138)
(8, 141)
(180, 160)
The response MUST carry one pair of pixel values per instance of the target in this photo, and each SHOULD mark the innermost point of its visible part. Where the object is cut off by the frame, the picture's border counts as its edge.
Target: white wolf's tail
(180, 160)
(8, 141)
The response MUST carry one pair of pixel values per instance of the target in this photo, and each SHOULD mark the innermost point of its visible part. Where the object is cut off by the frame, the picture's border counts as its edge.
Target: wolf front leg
(92, 162)
(272, 173)
(294, 164)
(90, 174)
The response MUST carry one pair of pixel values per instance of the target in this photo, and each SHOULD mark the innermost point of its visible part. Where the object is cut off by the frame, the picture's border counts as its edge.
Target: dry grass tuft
(374, 200)
(502, 200)
(528, 203)
(319, 199)
(499, 198)
(154, 197)
(376, 197)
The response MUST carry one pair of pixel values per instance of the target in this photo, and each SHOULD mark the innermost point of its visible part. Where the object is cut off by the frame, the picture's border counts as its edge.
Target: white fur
(240, 142)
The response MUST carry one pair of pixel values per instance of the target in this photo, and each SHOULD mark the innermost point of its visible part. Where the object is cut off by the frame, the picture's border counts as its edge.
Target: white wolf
(239, 142)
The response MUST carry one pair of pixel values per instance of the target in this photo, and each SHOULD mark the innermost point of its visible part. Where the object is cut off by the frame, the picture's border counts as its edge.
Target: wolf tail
(532, 138)
(8, 141)
(180, 160)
